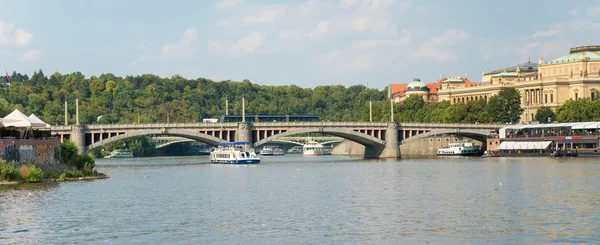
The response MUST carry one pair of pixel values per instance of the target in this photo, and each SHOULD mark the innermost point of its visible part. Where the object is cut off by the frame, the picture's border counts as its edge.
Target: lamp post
(243, 109)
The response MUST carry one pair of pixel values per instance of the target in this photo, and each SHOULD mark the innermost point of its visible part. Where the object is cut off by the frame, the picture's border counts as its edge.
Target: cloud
(368, 24)
(32, 55)
(141, 46)
(249, 43)
(374, 43)
(360, 63)
(573, 12)
(443, 48)
(321, 29)
(246, 44)
(594, 11)
(182, 48)
(23, 38)
(226, 4)
(348, 3)
(266, 14)
(548, 33)
(9, 36)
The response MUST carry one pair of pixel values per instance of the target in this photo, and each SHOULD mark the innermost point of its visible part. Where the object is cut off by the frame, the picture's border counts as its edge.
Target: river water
(313, 200)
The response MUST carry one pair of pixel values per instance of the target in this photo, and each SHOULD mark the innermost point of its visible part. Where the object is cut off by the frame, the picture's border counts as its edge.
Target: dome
(416, 84)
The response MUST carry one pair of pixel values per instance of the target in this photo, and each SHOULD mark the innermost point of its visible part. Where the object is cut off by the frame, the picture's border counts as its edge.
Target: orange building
(429, 91)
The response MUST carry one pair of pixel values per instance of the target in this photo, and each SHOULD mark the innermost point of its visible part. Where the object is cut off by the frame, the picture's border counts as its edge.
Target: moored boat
(234, 153)
(313, 148)
(272, 151)
(460, 149)
(119, 153)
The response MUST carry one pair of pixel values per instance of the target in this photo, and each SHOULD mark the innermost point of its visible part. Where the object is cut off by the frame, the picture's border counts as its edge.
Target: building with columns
(575, 75)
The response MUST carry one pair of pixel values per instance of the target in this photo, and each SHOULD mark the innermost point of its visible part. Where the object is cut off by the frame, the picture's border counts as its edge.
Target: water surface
(313, 200)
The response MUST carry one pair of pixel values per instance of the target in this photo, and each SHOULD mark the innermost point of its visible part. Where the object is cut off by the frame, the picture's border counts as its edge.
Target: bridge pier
(244, 132)
(392, 145)
(78, 137)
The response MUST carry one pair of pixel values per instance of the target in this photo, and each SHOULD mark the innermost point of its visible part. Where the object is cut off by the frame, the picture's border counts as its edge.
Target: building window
(545, 98)
(551, 98)
(593, 95)
(576, 96)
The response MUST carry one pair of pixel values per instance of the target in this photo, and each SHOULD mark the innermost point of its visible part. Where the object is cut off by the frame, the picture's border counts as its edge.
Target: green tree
(545, 115)
(505, 107)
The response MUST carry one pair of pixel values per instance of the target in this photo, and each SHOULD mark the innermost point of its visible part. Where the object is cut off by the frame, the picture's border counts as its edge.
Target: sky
(303, 42)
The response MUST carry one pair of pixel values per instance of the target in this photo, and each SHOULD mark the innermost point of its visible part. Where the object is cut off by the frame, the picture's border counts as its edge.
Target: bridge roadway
(381, 139)
(162, 141)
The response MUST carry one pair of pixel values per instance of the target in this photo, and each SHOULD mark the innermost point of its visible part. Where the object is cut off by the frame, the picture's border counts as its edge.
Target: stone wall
(417, 148)
(43, 151)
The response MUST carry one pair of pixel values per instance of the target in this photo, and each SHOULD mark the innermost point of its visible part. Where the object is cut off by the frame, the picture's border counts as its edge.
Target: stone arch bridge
(381, 139)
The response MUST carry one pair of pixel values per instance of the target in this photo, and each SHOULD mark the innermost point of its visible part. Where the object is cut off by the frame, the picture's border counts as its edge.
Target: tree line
(113, 99)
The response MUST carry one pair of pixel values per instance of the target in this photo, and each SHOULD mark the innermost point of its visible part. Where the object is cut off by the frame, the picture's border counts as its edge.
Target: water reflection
(294, 199)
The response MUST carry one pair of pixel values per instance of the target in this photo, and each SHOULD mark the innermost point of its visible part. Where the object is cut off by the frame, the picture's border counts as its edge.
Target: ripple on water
(298, 200)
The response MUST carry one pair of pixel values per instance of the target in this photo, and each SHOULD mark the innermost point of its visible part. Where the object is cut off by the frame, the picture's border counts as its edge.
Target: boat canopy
(241, 143)
(524, 145)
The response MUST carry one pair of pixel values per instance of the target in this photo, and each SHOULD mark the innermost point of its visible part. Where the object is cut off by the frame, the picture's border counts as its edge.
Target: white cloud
(217, 46)
(246, 44)
(32, 55)
(23, 38)
(249, 43)
(573, 12)
(442, 48)
(360, 62)
(348, 3)
(321, 29)
(181, 49)
(226, 4)
(374, 43)
(548, 33)
(594, 10)
(267, 14)
(141, 46)
(9, 36)
(165, 49)
(367, 24)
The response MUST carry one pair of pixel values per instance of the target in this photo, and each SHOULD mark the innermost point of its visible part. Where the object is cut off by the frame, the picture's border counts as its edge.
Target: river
(313, 200)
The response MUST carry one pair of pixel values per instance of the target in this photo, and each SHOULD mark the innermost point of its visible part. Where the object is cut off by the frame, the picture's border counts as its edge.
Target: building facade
(575, 75)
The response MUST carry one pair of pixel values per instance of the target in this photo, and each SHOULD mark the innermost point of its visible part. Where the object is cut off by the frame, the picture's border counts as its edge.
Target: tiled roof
(397, 90)
(527, 66)
(575, 57)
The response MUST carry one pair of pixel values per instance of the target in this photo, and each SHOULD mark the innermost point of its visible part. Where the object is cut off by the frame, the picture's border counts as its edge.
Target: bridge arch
(476, 134)
(361, 138)
(201, 137)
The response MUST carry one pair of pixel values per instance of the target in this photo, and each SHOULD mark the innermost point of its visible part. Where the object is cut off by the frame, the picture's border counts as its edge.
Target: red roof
(397, 90)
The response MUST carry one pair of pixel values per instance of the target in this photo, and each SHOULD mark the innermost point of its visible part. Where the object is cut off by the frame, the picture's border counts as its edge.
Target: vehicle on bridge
(269, 118)
(234, 153)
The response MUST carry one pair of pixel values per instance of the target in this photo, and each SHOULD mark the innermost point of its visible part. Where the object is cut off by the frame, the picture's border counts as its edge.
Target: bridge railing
(320, 124)
(282, 124)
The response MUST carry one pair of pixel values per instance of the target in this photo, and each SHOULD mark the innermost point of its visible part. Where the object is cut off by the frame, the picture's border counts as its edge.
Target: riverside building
(575, 75)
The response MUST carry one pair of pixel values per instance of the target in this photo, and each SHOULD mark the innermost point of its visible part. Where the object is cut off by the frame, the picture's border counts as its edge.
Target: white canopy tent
(36, 119)
(19, 120)
(524, 145)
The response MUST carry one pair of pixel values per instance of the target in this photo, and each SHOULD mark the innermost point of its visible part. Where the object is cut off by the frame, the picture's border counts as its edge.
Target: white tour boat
(460, 149)
(271, 151)
(313, 148)
(234, 153)
(119, 153)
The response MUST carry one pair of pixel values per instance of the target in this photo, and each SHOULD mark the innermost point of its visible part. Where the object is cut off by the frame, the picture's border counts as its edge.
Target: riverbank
(11, 174)
(86, 178)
